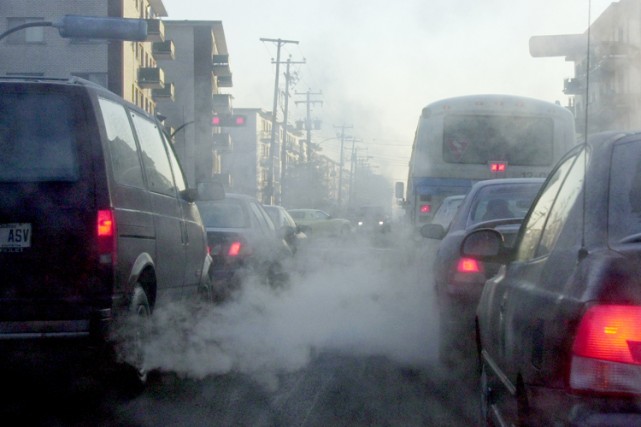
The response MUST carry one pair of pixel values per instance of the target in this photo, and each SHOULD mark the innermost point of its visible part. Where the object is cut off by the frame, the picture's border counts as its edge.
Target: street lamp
(92, 27)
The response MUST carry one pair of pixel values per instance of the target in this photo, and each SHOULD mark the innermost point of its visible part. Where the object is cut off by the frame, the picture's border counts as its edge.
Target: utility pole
(352, 171)
(283, 148)
(308, 120)
(340, 171)
(272, 144)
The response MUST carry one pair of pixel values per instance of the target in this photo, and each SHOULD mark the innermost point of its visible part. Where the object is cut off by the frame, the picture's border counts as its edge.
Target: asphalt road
(350, 343)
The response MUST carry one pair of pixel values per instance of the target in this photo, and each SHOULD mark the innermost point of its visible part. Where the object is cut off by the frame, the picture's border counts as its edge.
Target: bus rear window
(37, 138)
(479, 139)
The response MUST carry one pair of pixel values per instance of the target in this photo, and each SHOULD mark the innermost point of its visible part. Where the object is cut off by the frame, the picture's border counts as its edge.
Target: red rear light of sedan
(606, 354)
(234, 249)
(469, 265)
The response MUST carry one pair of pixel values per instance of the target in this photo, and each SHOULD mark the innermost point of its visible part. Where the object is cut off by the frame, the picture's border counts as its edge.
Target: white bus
(462, 140)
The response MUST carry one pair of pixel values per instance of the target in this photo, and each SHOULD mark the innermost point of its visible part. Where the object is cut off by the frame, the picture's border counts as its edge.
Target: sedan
(315, 222)
(372, 219)
(559, 328)
(458, 280)
(243, 243)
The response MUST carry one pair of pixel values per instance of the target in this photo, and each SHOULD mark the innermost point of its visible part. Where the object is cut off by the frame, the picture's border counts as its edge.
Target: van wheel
(133, 373)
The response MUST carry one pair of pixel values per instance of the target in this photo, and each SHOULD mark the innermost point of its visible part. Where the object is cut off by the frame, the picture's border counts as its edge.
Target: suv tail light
(106, 233)
(425, 209)
(606, 354)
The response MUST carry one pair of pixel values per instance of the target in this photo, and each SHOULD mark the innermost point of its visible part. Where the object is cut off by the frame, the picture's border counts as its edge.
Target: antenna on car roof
(582, 251)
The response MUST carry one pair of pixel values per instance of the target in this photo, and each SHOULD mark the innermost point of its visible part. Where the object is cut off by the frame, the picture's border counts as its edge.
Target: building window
(27, 35)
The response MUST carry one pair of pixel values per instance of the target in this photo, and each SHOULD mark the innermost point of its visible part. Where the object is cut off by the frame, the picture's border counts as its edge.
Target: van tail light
(606, 353)
(106, 233)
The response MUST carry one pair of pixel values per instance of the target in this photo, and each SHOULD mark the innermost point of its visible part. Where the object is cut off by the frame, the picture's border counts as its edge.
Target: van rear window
(37, 138)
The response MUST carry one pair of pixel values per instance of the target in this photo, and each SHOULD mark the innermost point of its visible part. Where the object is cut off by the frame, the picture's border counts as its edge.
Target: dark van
(96, 220)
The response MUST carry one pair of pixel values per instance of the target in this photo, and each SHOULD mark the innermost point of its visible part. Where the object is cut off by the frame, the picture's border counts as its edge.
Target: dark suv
(559, 327)
(96, 220)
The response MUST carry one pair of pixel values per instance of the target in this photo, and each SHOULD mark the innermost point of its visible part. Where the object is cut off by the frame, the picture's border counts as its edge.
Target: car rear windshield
(225, 213)
(503, 201)
(37, 137)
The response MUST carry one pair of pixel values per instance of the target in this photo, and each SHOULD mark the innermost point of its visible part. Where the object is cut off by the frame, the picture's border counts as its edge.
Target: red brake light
(498, 167)
(468, 265)
(106, 233)
(606, 354)
(426, 209)
(234, 249)
(610, 332)
(105, 223)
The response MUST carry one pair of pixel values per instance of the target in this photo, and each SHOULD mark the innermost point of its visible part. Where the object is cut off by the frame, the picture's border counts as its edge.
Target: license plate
(15, 237)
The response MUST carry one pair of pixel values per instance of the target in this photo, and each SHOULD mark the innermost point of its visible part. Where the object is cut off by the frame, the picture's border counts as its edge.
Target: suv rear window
(37, 137)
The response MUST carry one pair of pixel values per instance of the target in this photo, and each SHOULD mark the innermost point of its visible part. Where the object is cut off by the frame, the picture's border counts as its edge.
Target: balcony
(222, 142)
(151, 78)
(220, 65)
(573, 87)
(155, 30)
(165, 93)
(164, 50)
(224, 81)
(221, 103)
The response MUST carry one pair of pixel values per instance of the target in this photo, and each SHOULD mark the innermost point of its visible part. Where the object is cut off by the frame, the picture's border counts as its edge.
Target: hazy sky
(377, 63)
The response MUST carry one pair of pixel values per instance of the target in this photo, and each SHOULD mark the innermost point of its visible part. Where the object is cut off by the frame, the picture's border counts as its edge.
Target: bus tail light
(606, 353)
(498, 167)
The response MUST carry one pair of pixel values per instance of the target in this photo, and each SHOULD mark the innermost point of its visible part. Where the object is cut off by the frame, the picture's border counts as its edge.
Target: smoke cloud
(359, 300)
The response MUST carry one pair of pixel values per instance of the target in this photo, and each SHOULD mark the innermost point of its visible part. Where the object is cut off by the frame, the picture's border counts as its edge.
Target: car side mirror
(487, 245)
(433, 231)
(288, 231)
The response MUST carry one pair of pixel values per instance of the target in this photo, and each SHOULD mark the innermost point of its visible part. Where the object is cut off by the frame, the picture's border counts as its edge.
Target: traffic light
(228, 120)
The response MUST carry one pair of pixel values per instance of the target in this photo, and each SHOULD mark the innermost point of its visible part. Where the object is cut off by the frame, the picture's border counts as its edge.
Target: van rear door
(47, 203)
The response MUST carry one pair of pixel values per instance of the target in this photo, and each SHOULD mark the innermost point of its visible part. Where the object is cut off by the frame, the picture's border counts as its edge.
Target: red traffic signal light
(228, 120)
